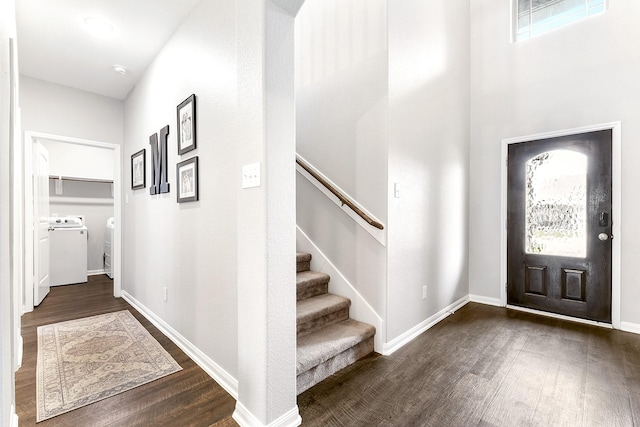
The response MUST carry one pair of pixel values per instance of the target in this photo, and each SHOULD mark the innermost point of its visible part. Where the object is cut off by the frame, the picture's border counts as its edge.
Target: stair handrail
(342, 197)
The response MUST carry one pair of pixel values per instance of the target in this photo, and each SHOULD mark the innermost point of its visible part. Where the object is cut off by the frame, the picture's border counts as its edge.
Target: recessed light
(120, 69)
(98, 26)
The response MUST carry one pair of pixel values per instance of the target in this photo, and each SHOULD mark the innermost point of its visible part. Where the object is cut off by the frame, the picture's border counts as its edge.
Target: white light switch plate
(251, 175)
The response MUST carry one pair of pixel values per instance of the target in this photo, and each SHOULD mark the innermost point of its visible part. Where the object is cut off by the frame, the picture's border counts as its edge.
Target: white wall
(383, 98)
(67, 112)
(583, 74)
(341, 129)
(64, 111)
(190, 248)
(266, 214)
(341, 95)
(428, 158)
(79, 161)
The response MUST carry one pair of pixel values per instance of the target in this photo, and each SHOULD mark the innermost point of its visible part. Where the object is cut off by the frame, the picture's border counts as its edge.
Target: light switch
(251, 175)
(396, 190)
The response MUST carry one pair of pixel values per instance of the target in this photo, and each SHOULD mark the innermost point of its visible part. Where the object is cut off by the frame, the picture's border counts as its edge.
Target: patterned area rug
(86, 360)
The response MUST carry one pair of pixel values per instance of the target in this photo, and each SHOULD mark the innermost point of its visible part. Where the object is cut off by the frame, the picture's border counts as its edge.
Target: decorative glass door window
(533, 17)
(556, 204)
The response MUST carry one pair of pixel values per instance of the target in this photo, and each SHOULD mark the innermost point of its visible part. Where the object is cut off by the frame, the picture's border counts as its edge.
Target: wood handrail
(343, 199)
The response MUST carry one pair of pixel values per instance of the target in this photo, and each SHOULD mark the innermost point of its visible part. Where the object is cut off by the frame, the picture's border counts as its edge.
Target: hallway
(482, 365)
(189, 397)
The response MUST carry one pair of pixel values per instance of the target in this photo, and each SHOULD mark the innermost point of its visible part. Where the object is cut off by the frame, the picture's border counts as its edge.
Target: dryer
(67, 250)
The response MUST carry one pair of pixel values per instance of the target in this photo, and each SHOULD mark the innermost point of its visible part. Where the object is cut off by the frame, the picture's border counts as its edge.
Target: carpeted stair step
(311, 283)
(303, 262)
(319, 311)
(330, 349)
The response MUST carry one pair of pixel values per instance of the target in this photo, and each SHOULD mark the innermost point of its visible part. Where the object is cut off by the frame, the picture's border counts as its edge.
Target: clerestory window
(533, 17)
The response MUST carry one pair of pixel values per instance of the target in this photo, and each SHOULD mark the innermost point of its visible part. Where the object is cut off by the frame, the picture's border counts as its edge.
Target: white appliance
(67, 250)
(108, 247)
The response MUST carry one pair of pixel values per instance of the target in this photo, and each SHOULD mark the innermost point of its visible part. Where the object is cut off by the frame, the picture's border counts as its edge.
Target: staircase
(328, 340)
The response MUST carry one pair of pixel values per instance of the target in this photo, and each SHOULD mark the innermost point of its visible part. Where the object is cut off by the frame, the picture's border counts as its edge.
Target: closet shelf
(71, 178)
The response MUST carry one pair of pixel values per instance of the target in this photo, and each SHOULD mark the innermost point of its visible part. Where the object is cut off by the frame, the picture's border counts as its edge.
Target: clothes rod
(71, 178)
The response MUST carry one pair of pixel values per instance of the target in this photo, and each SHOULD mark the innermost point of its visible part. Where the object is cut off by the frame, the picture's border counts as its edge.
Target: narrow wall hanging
(187, 125)
(138, 170)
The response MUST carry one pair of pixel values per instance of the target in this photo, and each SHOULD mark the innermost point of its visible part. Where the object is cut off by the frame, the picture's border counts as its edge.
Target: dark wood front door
(559, 225)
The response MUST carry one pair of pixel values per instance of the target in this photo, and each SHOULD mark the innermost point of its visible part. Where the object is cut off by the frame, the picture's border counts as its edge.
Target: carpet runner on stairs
(328, 340)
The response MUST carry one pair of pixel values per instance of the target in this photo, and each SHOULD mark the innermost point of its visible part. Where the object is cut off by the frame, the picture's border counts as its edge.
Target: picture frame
(139, 170)
(186, 115)
(187, 180)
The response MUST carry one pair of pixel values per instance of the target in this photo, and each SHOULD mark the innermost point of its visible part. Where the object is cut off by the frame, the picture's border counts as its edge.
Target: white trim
(222, 377)
(29, 139)
(634, 328)
(379, 235)
(245, 418)
(27, 223)
(13, 417)
(405, 338)
(360, 309)
(20, 352)
(497, 302)
(95, 272)
(560, 316)
(616, 196)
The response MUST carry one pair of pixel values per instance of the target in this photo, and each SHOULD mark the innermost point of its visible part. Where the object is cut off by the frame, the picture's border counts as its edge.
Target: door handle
(604, 236)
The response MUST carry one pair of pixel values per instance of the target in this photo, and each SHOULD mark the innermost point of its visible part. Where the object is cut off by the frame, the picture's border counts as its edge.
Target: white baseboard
(14, 416)
(215, 371)
(20, 351)
(405, 338)
(630, 327)
(360, 309)
(245, 418)
(95, 272)
(486, 300)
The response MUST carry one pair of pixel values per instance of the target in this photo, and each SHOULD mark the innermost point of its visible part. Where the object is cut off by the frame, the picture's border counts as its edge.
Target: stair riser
(308, 291)
(320, 322)
(303, 266)
(313, 376)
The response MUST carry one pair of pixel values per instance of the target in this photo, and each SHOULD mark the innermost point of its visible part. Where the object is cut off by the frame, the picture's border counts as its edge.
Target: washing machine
(67, 250)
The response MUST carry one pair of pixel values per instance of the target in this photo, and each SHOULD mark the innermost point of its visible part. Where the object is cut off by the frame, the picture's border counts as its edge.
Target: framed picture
(187, 125)
(187, 180)
(138, 170)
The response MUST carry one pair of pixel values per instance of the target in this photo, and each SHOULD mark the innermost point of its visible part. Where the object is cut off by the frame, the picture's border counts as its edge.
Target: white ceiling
(54, 45)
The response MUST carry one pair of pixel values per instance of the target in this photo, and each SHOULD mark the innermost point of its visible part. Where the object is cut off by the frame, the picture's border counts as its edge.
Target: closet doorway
(32, 263)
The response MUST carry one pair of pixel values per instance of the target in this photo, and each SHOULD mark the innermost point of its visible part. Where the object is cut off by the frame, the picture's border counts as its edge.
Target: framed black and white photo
(187, 180)
(138, 170)
(187, 125)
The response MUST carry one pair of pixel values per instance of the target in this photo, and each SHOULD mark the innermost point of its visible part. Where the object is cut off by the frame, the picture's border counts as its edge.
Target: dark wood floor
(489, 366)
(482, 366)
(186, 398)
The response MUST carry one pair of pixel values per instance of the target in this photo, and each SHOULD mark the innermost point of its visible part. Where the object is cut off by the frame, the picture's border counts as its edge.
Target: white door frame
(29, 139)
(616, 175)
